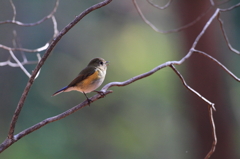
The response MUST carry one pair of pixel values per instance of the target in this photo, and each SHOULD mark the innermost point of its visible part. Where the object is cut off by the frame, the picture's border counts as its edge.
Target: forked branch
(13, 138)
(215, 15)
(190, 89)
(13, 21)
(11, 50)
(168, 31)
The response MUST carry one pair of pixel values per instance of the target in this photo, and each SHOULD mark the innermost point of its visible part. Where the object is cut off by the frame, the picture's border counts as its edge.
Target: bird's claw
(89, 101)
(101, 93)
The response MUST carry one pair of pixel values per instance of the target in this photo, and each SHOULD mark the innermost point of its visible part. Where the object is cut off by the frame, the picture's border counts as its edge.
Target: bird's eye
(101, 63)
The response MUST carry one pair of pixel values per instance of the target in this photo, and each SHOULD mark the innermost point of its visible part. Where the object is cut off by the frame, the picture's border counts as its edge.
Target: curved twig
(14, 10)
(40, 64)
(159, 7)
(225, 35)
(13, 138)
(12, 64)
(25, 50)
(168, 31)
(19, 63)
(214, 143)
(13, 21)
(9, 141)
(190, 89)
(212, 2)
(231, 8)
(219, 63)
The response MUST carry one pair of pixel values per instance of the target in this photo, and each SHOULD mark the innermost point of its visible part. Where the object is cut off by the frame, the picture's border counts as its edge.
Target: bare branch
(57, 37)
(13, 21)
(25, 50)
(210, 110)
(159, 7)
(230, 8)
(225, 36)
(138, 77)
(39, 59)
(16, 44)
(19, 63)
(9, 141)
(12, 64)
(14, 10)
(190, 89)
(168, 31)
(44, 58)
(212, 2)
(219, 3)
(219, 63)
(55, 29)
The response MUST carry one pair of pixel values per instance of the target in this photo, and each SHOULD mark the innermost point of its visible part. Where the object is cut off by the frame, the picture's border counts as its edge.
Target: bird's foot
(101, 93)
(89, 101)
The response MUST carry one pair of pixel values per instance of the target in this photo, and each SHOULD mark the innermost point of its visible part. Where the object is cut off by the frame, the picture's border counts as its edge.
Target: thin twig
(19, 63)
(212, 2)
(219, 63)
(168, 31)
(44, 58)
(14, 11)
(160, 7)
(16, 44)
(220, 3)
(230, 8)
(214, 143)
(190, 89)
(39, 59)
(9, 141)
(55, 29)
(13, 138)
(12, 64)
(225, 35)
(25, 50)
(191, 50)
(13, 21)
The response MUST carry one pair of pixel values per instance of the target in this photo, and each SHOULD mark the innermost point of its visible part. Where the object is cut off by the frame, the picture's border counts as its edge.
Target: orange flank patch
(89, 80)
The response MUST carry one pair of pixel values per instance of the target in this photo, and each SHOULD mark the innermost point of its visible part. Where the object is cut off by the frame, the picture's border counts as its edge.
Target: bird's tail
(60, 91)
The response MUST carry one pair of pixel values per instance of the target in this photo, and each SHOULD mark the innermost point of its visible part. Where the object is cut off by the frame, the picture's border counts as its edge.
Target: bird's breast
(92, 82)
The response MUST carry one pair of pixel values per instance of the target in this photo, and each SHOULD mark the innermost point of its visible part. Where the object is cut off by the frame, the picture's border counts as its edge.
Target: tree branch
(159, 7)
(14, 10)
(168, 31)
(219, 63)
(57, 36)
(13, 21)
(23, 50)
(44, 58)
(214, 143)
(9, 141)
(19, 63)
(215, 15)
(225, 36)
(190, 89)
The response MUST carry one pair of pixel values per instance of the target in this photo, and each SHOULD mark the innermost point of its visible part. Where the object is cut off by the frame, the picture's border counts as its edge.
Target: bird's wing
(82, 75)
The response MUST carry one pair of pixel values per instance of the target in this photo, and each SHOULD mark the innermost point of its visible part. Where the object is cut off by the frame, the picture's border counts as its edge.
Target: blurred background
(155, 117)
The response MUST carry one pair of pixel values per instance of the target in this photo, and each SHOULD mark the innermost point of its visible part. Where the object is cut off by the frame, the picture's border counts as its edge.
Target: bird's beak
(107, 63)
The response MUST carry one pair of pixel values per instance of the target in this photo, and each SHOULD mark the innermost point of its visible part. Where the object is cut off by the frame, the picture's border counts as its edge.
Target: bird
(89, 79)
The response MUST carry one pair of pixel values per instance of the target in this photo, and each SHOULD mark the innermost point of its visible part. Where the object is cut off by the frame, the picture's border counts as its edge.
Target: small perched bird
(89, 79)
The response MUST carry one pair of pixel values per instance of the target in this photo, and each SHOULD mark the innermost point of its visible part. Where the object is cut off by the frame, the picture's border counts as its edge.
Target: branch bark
(11, 138)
